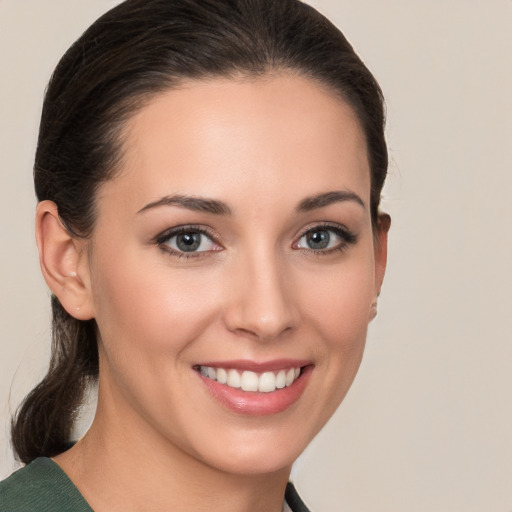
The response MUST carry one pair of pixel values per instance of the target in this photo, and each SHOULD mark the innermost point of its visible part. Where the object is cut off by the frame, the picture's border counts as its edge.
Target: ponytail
(44, 421)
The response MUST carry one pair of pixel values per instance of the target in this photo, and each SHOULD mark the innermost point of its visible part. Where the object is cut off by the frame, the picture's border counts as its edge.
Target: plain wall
(428, 423)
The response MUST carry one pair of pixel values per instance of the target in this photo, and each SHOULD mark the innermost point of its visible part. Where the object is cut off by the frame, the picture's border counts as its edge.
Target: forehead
(237, 139)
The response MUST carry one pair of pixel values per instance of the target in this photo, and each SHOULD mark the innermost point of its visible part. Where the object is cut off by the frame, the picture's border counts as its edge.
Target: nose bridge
(261, 304)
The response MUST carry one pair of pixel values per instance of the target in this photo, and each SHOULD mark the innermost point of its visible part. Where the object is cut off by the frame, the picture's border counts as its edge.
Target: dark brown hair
(140, 48)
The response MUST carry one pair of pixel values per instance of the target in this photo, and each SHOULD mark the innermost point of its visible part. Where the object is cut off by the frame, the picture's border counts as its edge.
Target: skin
(258, 292)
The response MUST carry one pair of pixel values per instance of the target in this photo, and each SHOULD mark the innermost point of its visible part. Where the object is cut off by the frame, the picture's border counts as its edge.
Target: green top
(43, 487)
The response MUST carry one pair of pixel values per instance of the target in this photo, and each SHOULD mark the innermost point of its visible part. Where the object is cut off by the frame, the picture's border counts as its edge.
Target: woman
(208, 175)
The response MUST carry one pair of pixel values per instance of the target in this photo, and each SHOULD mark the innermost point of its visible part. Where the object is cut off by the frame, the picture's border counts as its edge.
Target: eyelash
(346, 236)
(167, 235)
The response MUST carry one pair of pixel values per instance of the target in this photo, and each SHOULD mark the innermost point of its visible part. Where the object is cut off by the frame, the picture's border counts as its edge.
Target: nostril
(265, 333)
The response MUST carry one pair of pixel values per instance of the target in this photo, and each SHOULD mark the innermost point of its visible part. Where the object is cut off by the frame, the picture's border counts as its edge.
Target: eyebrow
(197, 204)
(327, 198)
(216, 207)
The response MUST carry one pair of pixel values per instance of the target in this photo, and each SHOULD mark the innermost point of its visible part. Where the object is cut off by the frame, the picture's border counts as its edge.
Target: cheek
(338, 311)
(339, 306)
(145, 311)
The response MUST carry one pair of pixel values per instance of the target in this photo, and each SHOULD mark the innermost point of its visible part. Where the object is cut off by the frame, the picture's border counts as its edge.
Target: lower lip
(254, 403)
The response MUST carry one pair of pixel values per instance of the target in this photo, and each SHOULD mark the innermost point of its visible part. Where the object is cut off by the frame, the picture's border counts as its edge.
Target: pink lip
(255, 403)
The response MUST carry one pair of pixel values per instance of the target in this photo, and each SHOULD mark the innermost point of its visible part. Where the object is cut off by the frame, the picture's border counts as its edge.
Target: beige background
(427, 425)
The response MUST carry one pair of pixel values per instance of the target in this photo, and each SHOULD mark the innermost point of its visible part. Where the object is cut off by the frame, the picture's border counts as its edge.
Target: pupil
(188, 242)
(318, 239)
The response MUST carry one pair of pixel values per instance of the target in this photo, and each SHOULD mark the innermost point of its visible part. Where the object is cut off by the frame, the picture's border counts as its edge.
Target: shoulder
(43, 487)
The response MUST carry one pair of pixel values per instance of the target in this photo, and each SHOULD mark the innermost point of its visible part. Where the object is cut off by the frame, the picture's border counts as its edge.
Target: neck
(131, 469)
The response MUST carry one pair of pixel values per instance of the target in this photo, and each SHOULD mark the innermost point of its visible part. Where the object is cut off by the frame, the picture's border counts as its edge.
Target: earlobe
(63, 262)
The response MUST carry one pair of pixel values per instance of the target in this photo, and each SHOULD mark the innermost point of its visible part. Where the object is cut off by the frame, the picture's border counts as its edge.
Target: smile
(255, 388)
(265, 382)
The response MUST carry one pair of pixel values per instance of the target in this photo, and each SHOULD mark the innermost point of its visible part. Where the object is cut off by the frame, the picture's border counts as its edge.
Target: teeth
(250, 381)
(267, 382)
(222, 375)
(233, 379)
(281, 379)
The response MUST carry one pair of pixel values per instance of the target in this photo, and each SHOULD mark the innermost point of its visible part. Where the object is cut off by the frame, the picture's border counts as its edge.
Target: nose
(260, 300)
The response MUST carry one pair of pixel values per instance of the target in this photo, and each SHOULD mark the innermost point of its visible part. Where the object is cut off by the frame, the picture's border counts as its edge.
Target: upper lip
(257, 366)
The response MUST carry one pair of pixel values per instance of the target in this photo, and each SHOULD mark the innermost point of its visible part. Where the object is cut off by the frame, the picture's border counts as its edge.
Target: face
(235, 248)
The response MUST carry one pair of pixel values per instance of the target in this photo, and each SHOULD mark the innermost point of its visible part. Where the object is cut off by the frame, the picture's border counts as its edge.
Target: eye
(325, 239)
(187, 241)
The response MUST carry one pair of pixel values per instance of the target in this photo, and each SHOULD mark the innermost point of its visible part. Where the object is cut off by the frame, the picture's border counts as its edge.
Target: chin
(256, 464)
(257, 453)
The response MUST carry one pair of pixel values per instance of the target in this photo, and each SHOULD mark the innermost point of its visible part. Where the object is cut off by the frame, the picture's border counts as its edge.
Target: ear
(63, 260)
(381, 254)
